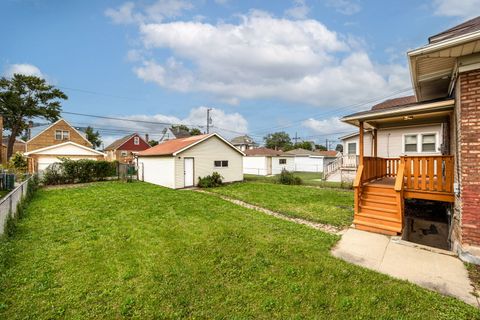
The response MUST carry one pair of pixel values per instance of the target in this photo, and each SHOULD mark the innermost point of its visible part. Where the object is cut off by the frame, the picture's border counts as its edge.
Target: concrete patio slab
(443, 273)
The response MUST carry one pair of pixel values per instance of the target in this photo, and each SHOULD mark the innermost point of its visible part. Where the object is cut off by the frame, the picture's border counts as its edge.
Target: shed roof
(175, 146)
(242, 140)
(300, 151)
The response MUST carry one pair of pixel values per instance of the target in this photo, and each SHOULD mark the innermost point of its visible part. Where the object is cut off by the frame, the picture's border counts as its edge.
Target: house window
(411, 143)
(220, 163)
(62, 135)
(124, 153)
(136, 141)
(429, 142)
(352, 148)
(282, 161)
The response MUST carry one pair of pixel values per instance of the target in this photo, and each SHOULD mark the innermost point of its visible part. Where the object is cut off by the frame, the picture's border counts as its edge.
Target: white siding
(255, 165)
(277, 167)
(204, 154)
(308, 164)
(390, 141)
(157, 170)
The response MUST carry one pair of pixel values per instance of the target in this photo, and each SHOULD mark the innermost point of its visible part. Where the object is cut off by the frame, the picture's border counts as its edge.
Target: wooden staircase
(379, 210)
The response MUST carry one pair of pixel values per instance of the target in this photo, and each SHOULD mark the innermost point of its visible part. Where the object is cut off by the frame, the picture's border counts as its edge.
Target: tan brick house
(58, 140)
(436, 169)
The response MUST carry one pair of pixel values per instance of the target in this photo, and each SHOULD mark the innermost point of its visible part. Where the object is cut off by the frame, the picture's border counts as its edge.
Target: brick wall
(469, 123)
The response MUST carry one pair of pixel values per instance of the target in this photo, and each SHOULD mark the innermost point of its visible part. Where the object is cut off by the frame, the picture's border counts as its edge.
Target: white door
(188, 164)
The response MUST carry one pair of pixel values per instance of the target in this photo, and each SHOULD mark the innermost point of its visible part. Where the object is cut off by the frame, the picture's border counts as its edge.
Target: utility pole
(326, 143)
(296, 138)
(209, 120)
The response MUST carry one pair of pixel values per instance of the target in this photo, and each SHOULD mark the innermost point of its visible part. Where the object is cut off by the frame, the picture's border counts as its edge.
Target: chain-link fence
(9, 203)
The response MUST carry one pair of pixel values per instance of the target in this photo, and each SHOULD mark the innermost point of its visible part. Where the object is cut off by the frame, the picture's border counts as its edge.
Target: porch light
(407, 117)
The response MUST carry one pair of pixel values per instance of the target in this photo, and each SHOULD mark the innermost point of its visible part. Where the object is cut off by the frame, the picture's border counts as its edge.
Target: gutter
(444, 44)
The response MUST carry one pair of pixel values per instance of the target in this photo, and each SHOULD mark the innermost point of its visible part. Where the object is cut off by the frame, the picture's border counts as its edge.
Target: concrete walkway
(436, 271)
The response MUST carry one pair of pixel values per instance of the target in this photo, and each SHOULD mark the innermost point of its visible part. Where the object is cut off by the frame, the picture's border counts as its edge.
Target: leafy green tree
(182, 127)
(195, 132)
(19, 162)
(23, 98)
(152, 143)
(339, 147)
(278, 141)
(303, 145)
(320, 147)
(93, 137)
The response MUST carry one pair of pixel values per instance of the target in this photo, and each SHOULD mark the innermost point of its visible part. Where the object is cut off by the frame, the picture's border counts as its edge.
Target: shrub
(287, 177)
(215, 180)
(18, 162)
(73, 171)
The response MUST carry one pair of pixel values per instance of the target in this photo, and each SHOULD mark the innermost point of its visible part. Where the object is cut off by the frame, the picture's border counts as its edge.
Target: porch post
(374, 146)
(360, 142)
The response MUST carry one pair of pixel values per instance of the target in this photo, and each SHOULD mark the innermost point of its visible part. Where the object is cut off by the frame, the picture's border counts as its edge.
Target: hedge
(78, 171)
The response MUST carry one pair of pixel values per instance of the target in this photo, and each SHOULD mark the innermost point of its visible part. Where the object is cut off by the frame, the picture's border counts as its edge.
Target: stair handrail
(400, 176)
(357, 186)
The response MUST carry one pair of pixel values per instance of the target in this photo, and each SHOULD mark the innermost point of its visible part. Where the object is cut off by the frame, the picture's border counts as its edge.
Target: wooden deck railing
(428, 173)
(376, 168)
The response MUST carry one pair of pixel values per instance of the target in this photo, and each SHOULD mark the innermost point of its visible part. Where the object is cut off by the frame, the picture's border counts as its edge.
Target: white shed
(179, 163)
(312, 161)
(264, 162)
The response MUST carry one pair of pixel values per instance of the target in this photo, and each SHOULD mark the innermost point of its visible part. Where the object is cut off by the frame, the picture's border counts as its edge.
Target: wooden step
(368, 198)
(375, 209)
(375, 230)
(374, 216)
(378, 224)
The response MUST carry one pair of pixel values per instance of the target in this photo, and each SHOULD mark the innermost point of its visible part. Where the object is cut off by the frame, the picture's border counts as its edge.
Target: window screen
(428, 143)
(352, 148)
(282, 161)
(220, 163)
(411, 143)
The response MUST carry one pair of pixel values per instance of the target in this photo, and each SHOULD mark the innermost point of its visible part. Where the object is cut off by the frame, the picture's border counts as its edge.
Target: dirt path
(315, 225)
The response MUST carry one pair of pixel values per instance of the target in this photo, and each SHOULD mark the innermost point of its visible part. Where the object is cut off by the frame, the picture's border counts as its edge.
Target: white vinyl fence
(8, 204)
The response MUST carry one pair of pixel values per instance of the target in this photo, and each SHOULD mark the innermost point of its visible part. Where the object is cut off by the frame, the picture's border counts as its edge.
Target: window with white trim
(62, 135)
(410, 143)
(124, 153)
(220, 163)
(136, 141)
(352, 148)
(429, 142)
(282, 161)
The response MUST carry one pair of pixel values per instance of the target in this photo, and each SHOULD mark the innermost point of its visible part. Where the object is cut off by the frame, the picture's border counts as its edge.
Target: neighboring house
(243, 143)
(59, 139)
(426, 148)
(171, 134)
(311, 161)
(264, 161)
(18, 146)
(124, 149)
(179, 163)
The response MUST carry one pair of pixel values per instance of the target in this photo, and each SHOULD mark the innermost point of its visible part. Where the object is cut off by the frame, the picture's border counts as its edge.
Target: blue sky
(262, 66)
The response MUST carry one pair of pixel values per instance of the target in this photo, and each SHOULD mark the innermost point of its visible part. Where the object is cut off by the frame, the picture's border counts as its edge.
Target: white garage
(312, 161)
(179, 163)
(40, 159)
(264, 162)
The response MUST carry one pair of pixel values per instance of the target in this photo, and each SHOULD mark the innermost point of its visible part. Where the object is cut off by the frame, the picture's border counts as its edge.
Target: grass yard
(116, 250)
(330, 206)
(308, 178)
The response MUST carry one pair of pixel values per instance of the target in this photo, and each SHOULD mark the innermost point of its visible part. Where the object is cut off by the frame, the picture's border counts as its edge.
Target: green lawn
(116, 250)
(330, 206)
(308, 178)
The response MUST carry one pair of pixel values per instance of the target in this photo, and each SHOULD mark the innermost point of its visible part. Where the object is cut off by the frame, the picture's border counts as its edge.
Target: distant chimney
(146, 137)
(29, 130)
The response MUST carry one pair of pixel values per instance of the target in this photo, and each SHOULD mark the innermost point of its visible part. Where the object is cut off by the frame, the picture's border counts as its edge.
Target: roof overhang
(434, 67)
(84, 151)
(420, 111)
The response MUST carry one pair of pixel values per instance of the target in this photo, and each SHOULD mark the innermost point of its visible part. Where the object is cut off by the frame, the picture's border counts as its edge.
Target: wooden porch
(382, 185)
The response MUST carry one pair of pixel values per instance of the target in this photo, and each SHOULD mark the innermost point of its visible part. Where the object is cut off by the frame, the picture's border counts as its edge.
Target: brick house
(49, 143)
(125, 149)
(437, 169)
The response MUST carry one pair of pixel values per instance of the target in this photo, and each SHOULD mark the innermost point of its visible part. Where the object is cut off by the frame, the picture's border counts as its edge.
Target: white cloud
(223, 123)
(159, 10)
(266, 57)
(299, 10)
(347, 7)
(328, 126)
(455, 8)
(23, 68)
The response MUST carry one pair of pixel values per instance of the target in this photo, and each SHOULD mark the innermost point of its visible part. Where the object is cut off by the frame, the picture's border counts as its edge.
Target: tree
(320, 147)
(182, 127)
(153, 143)
(278, 140)
(23, 98)
(303, 145)
(339, 147)
(195, 132)
(93, 137)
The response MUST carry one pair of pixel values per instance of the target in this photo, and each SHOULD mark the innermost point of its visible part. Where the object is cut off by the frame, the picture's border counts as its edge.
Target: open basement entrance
(427, 223)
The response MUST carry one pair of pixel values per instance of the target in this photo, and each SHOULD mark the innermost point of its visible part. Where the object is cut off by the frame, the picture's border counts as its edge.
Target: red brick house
(439, 170)
(124, 149)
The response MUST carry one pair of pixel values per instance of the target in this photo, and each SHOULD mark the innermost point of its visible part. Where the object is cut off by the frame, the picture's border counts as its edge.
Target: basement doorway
(427, 223)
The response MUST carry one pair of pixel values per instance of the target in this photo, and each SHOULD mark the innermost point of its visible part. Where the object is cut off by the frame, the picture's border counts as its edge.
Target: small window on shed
(282, 161)
(136, 141)
(220, 163)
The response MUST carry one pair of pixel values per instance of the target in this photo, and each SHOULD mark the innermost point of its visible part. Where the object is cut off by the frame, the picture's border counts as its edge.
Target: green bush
(73, 171)
(215, 180)
(18, 162)
(287, 177)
